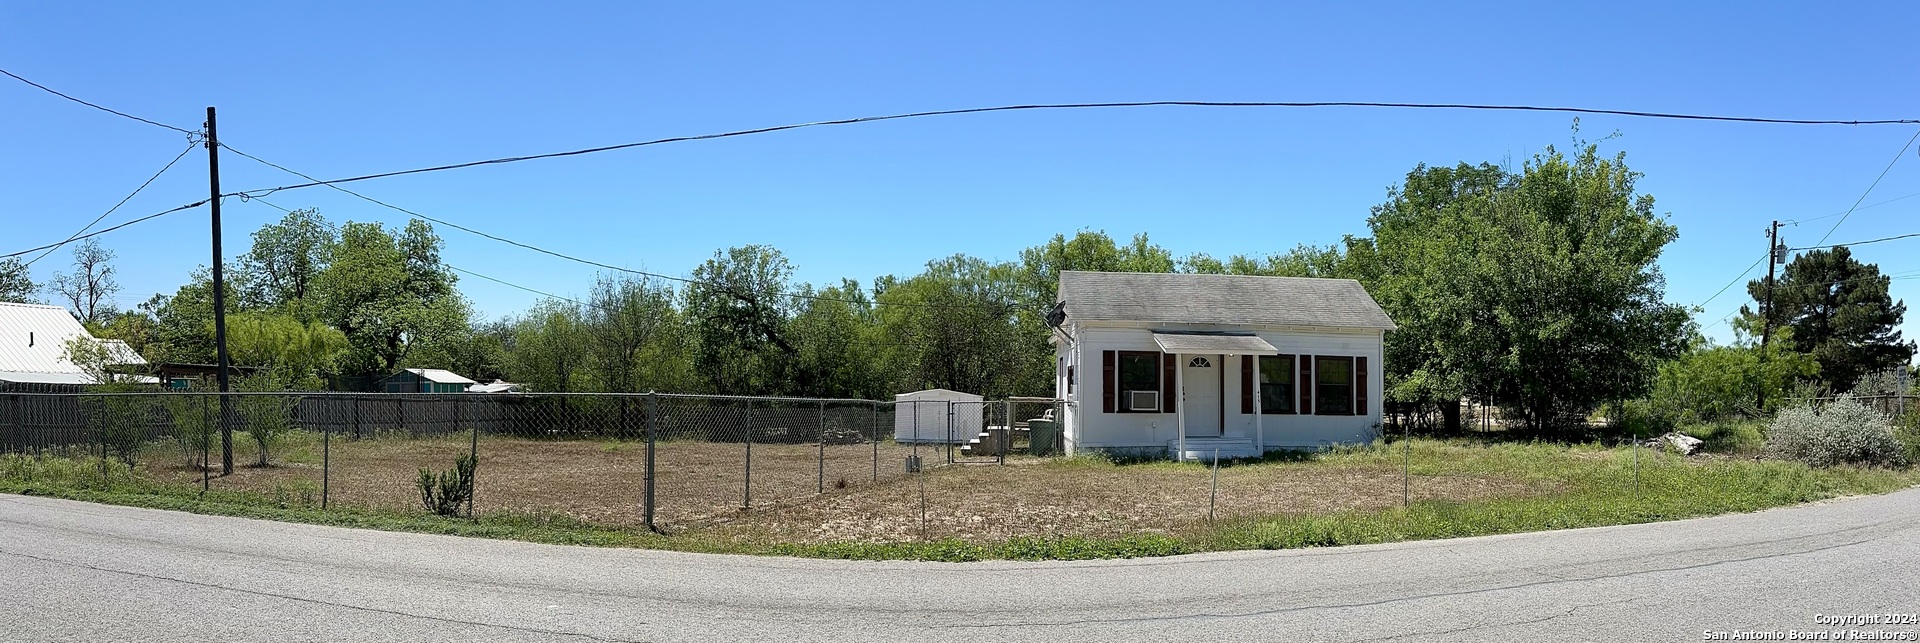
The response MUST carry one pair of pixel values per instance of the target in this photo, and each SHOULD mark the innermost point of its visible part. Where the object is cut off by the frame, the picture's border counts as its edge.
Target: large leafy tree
(16, 284)
(833, 336)
(547, 348)
(284, 265)
(959, 325)
(636, 342)
(1537, 291)
(739, 305)
(1841, 314)
(390, 294)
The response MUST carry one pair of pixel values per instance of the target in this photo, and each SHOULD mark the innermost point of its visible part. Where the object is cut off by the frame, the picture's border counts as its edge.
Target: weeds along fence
(652, 460)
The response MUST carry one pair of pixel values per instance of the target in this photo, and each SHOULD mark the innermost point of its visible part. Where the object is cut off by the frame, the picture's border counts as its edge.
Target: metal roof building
(33, 347)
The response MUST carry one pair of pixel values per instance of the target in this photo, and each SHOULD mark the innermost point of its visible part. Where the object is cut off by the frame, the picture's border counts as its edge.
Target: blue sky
(336, 89)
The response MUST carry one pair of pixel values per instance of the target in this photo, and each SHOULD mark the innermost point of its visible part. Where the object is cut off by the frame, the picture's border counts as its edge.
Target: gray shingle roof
(1178, 298)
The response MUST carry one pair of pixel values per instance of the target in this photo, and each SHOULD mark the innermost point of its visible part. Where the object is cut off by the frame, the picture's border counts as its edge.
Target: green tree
(635, 340)
(16, 284)
(285, 262)
(1538, 291)
(546, 352)
(390, 294)
(739, 308)
(832, 335)
(1302, 261)
(297, 353)
(960, 325)
(1841, 314)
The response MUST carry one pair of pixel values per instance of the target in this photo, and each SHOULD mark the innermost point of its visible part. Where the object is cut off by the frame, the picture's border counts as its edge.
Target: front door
(1201, 404)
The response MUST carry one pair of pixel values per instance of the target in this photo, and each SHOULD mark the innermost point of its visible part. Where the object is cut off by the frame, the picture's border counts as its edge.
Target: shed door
(1201, 376)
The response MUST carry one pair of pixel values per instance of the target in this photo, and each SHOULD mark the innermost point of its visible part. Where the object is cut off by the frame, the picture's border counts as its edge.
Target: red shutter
(1306, 385)
(1168, 392)
(1246, 384)
(1360, 385)
(1107, 381)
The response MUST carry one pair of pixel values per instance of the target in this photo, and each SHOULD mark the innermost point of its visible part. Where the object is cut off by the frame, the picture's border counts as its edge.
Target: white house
(33, 349)
(1190, 365)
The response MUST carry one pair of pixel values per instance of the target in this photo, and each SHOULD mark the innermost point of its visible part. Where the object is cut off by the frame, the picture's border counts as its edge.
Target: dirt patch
(807, 493)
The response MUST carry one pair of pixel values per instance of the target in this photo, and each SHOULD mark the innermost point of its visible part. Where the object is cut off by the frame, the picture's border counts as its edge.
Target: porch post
(1259, 431)
(1179, 409)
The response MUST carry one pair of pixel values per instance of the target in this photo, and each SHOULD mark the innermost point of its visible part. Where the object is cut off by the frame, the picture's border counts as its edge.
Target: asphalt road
(73, 571)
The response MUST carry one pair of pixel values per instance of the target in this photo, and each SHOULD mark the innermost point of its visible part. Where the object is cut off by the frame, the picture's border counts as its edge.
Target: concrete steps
(1203, 449)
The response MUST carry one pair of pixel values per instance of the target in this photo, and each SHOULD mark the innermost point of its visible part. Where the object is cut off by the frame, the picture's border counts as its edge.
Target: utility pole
(219, 299)
(1776, 254)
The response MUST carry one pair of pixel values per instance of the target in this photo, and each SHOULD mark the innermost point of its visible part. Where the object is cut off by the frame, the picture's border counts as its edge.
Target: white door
(1201, 404)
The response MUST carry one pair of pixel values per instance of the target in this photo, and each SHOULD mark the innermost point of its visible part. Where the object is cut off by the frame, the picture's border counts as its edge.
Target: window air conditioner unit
(1143, 400)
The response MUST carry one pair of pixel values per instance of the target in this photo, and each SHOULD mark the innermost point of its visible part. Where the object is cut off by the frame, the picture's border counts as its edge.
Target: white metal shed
(923, 416)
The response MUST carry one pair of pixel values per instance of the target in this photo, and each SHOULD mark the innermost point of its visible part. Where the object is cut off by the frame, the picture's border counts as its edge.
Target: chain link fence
(646, 460)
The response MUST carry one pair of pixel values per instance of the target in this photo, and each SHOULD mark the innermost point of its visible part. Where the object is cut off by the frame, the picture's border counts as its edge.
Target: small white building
(1191, 365)
(937, 416)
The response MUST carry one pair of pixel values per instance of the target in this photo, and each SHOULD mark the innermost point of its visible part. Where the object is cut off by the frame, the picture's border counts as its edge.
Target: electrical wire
(1736, 279)
(114, 112)
(1876, 182)
(96, 233)
(696, 282)
(549, 295)
(1862, 243)
(1051, 106)
(1796, 222)
(116, 206)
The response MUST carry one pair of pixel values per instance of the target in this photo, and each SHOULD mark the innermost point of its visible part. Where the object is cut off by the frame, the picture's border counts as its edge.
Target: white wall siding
(1092, 428)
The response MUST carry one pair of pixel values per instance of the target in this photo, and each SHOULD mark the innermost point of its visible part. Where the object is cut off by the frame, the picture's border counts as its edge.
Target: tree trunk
(1450, 417)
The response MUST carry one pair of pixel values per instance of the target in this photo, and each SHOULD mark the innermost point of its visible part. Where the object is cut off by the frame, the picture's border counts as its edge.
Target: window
(1276, 384)
(1139, 371)
(1333, 377)
(1070, 380)
(1200, 362)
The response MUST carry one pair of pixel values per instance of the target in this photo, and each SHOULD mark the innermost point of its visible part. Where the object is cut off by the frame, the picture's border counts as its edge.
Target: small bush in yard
(448, 492)
(1845, 432)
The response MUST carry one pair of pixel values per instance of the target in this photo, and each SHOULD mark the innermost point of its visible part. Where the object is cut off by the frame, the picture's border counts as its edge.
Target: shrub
(1845, 431)
(447, 493)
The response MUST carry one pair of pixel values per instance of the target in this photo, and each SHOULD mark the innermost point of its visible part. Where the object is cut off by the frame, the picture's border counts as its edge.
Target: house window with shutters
(1139, 371)
(1276, 384)
(1333, 385)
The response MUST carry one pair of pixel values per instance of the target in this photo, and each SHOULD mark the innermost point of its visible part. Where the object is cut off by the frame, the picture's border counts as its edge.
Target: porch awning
(1211, 343)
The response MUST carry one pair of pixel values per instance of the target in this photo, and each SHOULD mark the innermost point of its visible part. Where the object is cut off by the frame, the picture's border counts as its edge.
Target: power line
(116, 206)
(114, 112)
(1796, 222)
(1736, 279)
(1049, 106)
(509, 284)
(1862, 243)
(1876, 182)
(1783, 287)
(96, 233)
(696, 282)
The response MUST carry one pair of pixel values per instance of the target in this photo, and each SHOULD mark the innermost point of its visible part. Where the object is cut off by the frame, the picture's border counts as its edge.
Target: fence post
(949, 431)
(1006, 437)
(206, 446)
(1406, 471)
(326, 462)
(746, 499)
(820, 466)
(653, 423)
(473, 449)
(876, 441)
(17, 441)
